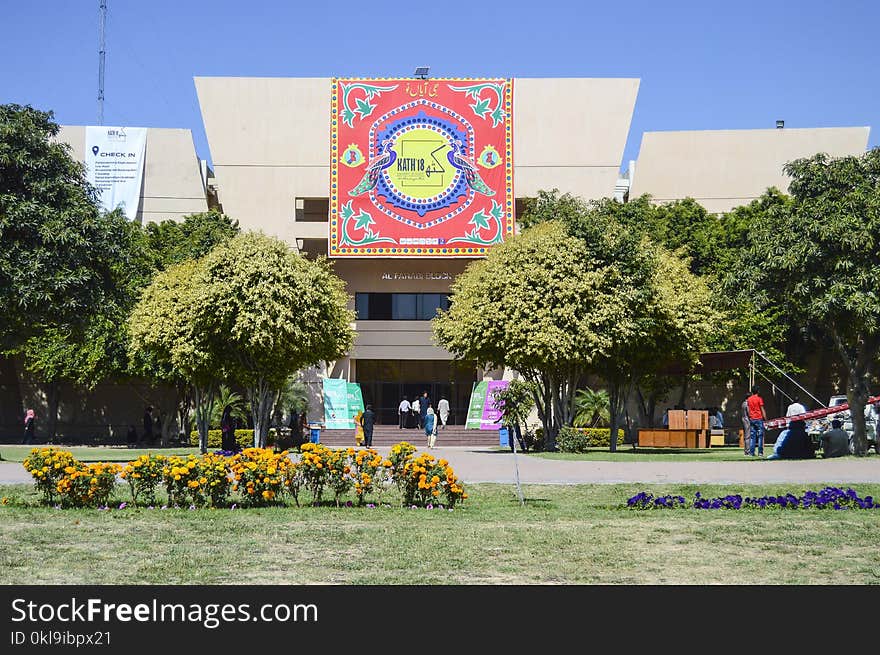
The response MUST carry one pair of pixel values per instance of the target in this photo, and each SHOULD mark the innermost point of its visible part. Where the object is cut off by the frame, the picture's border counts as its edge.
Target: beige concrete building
(722, 169)
(270, 148)
(174, 178)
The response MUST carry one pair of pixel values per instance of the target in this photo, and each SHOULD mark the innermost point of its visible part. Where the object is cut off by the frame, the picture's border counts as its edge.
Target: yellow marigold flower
(177, 477)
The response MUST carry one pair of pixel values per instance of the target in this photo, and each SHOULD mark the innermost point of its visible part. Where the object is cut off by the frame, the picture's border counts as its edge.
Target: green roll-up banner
(336, 416)
(475, 408)
(355, 401)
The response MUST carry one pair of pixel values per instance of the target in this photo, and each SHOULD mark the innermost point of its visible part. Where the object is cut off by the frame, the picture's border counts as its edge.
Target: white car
(823, 424)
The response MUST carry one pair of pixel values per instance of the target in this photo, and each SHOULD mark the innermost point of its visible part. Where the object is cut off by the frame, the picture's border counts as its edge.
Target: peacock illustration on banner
(457, 158)
(371, 177)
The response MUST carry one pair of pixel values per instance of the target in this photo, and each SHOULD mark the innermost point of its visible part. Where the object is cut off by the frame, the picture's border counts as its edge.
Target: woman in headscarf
(227, 430)
(430, 426)
(29, 427)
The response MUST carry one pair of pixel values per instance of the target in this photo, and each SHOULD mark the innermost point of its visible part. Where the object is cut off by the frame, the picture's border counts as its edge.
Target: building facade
(270, 146)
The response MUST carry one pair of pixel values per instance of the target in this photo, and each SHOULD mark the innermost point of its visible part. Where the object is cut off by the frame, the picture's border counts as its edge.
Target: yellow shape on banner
(421, 169)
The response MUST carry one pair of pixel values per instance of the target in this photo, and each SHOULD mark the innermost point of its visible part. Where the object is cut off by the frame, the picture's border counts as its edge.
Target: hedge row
(244, 438)
(577, 440)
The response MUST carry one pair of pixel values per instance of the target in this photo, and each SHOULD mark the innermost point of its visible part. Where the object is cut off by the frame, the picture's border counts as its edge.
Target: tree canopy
(265, 313)
(61, 258)
(818, 257)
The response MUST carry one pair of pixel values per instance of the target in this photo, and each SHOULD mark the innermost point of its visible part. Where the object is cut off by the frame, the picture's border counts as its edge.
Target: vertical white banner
(115, 165)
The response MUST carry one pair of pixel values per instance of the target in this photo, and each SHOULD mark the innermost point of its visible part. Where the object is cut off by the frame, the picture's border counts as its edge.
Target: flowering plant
(425, 478)
(371, 473)
(48, 466)
(143, 475)
(183, 478)
(216, 472)
(87, 485)
(314, 468)
(259, 475)
(826, 498)
(401, 454)
(339, 472)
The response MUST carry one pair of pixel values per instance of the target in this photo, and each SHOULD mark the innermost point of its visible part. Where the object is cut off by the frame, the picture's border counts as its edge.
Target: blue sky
(702, 65)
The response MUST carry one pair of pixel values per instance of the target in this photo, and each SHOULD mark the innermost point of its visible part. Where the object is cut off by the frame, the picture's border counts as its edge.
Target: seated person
(794, 445)
(835, 442)
(779, 441)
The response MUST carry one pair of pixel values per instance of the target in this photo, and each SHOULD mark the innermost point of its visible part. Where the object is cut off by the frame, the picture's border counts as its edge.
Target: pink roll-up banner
(491, 414)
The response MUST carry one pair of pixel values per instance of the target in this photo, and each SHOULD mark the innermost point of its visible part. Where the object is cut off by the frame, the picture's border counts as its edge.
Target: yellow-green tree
(267, 312)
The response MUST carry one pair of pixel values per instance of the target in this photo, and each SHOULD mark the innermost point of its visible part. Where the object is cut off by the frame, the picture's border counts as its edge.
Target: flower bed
(253, 477)
(828, 498)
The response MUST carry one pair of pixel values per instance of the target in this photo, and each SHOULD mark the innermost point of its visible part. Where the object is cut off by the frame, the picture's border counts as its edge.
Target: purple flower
(164, 507)
(234, 506)
(414, 507)
(349, 504)
(192, 507)
(151, 507)
(370, 506)
(430, 506)
(123, 505)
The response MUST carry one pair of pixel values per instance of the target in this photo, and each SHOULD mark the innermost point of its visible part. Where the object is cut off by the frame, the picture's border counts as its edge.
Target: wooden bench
(673, 438)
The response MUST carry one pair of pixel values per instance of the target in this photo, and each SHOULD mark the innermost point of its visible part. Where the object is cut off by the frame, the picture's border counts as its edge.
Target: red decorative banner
(420, 168)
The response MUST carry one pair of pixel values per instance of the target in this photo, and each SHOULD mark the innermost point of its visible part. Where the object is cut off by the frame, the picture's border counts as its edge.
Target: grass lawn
(564, 535)
(17, 452)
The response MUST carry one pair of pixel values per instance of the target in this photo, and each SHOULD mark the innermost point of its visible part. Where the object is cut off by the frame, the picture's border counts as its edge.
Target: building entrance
(385, 382)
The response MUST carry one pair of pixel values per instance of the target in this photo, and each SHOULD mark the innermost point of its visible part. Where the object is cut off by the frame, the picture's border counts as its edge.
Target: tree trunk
(11, 402)
(858, 365)
(184, 403)
(617, 397)
(53, 400)
(204, 402)
(614, 398)
(261, 396)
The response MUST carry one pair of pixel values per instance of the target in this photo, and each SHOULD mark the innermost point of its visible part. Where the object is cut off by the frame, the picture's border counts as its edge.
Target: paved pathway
(488, 465)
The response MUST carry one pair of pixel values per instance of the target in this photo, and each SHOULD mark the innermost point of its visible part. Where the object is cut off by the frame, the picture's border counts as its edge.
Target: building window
(312, 210)
(399, 306)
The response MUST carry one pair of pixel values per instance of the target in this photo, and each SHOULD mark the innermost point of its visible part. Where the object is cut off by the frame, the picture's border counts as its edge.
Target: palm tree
(226, 396)
(294, 396)
(591, 408)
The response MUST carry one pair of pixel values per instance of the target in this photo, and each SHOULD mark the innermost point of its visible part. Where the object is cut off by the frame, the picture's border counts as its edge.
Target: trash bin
(315, 433)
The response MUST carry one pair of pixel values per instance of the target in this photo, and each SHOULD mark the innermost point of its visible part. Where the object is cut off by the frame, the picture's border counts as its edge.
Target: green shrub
(577, 440)
(244, 438)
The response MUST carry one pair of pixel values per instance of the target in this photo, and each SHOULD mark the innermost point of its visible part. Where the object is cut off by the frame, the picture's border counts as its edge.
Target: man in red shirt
(757, 416)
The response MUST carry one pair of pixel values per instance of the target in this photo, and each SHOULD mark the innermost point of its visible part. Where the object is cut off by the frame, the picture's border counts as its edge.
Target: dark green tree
(818, 257)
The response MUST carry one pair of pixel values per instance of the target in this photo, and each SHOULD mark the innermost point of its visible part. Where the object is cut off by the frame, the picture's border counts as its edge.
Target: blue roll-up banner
(502, 437)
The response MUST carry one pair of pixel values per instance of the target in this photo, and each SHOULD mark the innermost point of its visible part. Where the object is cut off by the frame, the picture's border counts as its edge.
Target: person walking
(430, 424)
(424, 404)
(443, 411)
(745, 423)
(368, 421)
(403, 411)
(757, 416)
(417, 412)
(358, 429)
(29, 419)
